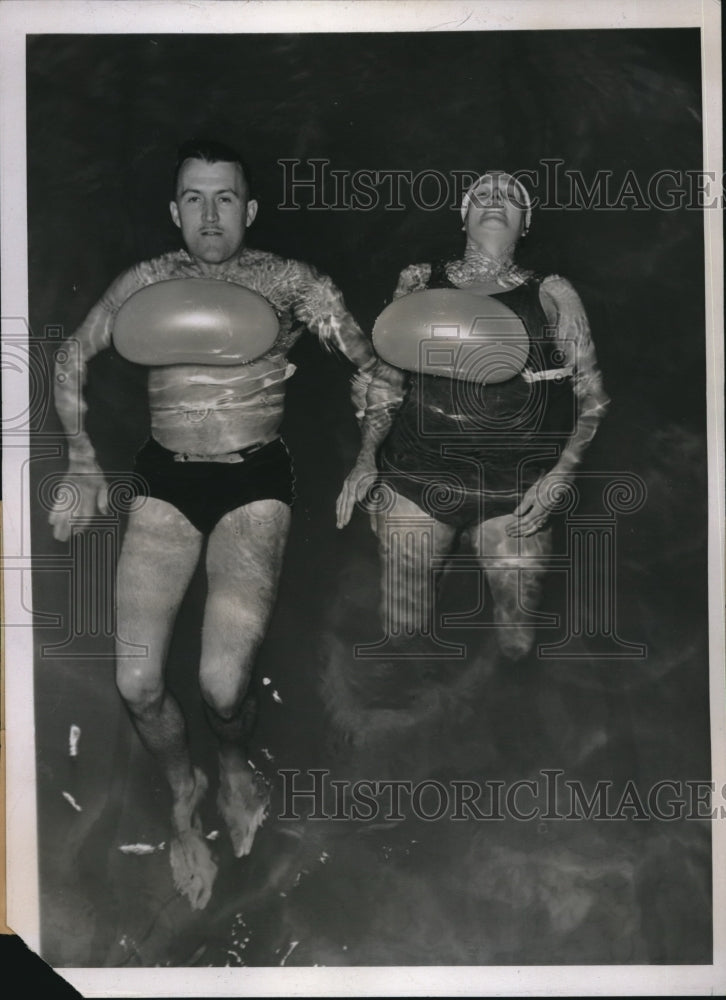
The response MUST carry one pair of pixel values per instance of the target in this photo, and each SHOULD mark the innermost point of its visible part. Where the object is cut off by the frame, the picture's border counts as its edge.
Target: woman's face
(496, 206)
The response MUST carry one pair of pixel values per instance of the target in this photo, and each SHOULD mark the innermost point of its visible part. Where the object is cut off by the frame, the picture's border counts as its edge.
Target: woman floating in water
(503, 395)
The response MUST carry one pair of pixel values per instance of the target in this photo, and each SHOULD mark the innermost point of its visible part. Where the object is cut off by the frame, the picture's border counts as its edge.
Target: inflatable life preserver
(445, 331)
(199, 321)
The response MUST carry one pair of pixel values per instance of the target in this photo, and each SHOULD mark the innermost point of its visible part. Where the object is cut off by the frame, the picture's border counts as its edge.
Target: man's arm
(377, 389)
(84, 477)
(377, 401)
(565, 311)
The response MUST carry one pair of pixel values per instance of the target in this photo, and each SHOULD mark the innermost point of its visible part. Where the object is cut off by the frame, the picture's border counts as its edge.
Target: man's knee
(224, 692)
(141, 689)
(225, 668)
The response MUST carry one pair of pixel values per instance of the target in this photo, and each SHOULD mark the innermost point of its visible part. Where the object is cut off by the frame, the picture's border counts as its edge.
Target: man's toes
(202, 894)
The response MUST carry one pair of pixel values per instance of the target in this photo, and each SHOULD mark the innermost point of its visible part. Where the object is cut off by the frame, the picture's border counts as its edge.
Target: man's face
(496, 206)
(211, 209)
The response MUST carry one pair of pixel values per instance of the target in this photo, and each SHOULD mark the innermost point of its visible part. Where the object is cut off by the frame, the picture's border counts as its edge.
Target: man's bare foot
(242, 802)
(192, 867)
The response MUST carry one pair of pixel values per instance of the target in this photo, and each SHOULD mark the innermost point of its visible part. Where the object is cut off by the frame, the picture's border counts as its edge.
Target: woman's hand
(357, 483)
(533, 513)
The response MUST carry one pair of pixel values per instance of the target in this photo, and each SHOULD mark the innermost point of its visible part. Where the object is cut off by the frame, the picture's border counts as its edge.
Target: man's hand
(355, 487)
(532, 515)
(82, 493)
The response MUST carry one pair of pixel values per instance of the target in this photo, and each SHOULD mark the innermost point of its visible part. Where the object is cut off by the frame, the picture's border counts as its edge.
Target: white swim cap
(500, 173)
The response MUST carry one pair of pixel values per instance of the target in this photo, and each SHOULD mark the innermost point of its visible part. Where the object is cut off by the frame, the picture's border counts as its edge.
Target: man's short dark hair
(210, 151)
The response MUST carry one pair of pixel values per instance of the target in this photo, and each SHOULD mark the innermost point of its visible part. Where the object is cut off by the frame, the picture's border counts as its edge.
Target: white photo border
(19, 19)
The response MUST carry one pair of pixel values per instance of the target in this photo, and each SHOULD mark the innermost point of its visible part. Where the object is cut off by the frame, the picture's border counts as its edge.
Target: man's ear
(252, 207)
(174, 209)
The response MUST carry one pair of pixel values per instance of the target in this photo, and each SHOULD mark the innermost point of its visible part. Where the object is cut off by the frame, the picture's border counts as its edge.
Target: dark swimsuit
(465, 452)
(205, 491)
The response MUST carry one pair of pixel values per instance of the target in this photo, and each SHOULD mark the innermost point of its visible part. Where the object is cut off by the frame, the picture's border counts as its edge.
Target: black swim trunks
(205, 491)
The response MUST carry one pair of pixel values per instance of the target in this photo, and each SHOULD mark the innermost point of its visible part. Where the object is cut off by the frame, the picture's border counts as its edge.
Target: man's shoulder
(162, 267)
(146, 272)
(133, 278)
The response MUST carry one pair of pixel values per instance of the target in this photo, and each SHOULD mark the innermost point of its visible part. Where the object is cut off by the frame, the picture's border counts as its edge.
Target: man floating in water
(214, 322)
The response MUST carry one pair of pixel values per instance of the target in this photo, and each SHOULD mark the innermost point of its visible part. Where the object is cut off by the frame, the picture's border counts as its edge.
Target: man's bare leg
(515, 590)
(160, 552)
(244, 559)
